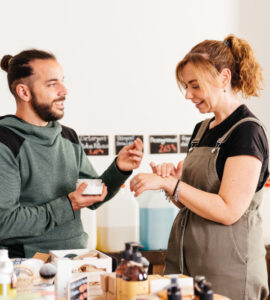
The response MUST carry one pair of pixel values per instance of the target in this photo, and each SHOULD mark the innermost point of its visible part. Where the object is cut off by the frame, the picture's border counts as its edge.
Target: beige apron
(231, 257)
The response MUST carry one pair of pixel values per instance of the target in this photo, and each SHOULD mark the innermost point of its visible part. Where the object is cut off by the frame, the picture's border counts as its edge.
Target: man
(41, 160)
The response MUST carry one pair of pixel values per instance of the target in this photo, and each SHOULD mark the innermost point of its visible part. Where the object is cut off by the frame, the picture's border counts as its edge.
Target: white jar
(6, 270)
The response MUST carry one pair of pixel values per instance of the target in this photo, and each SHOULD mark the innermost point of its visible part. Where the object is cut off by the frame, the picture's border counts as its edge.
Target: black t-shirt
(247, 138)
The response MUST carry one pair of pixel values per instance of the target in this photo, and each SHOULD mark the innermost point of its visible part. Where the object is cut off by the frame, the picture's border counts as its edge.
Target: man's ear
(225, 77)
(23, 92)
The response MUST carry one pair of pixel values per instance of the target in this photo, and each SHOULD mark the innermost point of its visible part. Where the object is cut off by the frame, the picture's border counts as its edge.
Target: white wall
(119, 58)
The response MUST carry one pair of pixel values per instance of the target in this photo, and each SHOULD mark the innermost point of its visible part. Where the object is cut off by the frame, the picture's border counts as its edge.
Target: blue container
(156, 219)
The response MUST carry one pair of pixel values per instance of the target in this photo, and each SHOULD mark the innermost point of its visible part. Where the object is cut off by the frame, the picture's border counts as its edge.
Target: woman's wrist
(169, 184)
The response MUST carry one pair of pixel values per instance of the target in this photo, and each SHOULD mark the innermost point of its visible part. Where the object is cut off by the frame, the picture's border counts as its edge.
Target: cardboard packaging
(92, 267)
(108, 282)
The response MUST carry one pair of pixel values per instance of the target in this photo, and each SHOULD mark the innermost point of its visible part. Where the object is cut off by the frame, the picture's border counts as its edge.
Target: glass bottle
(207, 293)
(121, 268)
(173, 291)
(134, 281)
(137, 256)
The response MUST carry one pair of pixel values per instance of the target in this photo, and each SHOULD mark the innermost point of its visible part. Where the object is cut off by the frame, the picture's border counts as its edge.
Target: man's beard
(45, 111)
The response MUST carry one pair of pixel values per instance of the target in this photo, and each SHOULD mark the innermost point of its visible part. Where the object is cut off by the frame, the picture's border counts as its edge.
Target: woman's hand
(167, 169)
(145, 181)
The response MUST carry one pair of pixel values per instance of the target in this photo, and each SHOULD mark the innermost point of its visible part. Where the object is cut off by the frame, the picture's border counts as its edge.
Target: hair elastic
(228, 44)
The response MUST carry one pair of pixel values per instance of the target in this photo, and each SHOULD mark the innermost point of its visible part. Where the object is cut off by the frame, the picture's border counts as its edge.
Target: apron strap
(224, 138)
(200, 133)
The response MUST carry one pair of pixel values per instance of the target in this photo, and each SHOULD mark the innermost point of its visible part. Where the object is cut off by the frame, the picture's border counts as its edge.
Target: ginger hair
(210, 57)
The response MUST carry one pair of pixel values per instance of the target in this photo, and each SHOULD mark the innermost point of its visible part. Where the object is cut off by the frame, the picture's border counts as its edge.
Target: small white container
(94, 186)
(6, 270)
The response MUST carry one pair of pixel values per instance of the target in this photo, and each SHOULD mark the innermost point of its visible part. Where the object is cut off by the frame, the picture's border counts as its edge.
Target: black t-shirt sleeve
(247, 139)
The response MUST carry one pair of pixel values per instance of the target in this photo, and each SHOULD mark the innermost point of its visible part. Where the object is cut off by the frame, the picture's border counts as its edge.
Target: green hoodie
(39, 167)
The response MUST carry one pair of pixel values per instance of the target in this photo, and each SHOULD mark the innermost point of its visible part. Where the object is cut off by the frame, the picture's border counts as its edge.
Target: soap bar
(94, 186)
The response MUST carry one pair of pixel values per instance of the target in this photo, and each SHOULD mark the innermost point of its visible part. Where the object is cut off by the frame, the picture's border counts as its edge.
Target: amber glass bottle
(121, 268)
(134, 281)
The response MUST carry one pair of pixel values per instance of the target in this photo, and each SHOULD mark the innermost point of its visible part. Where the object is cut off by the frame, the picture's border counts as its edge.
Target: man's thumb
(82, 187)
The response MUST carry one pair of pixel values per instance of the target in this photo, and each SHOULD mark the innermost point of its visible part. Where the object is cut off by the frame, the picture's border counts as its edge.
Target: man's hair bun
(5, 61)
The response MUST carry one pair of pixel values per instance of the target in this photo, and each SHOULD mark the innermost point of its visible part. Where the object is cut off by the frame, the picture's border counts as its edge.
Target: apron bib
(231, 257)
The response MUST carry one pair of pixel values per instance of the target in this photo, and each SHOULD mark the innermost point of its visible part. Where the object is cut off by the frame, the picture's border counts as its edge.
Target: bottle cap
(136, 254)
(207, 288)
(199, 284)
(128, 251)
(174, 289)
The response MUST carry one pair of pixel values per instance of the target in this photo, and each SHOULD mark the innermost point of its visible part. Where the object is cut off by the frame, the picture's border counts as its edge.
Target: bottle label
(133, 288)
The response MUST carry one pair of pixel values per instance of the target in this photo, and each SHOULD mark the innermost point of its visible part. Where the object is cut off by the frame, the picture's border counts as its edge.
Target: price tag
(163, 144)
(77, 288)
(184, 141)
(124, 140)
(95, 144)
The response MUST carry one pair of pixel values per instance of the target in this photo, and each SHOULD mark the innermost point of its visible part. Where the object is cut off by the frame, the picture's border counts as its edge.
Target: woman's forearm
(207, 205)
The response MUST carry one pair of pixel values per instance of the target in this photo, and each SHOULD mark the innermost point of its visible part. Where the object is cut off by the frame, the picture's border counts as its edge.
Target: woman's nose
(189, 94)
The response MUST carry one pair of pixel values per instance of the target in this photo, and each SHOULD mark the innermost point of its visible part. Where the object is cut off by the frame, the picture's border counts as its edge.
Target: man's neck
(31, 118)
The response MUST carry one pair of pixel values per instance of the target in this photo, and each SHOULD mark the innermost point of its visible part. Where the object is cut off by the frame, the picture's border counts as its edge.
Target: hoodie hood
(43, 135)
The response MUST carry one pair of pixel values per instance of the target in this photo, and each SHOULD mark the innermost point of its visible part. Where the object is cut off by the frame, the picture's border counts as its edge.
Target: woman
(217, 233)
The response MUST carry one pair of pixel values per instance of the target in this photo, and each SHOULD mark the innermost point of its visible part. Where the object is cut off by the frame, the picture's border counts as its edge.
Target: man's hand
(79, 201)
(130, 156)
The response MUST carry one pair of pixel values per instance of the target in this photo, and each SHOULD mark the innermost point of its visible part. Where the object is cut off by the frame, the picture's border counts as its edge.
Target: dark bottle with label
(137, 256)
(173, 291)
(121, 268)
(126, 257)
(134, 280)
(206, 293)
(199, 281)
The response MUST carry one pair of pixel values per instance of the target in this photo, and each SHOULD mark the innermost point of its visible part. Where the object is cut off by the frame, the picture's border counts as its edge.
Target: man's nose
(63, 90)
